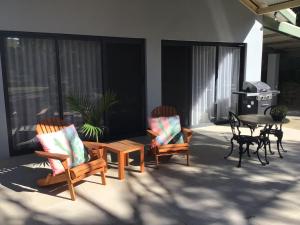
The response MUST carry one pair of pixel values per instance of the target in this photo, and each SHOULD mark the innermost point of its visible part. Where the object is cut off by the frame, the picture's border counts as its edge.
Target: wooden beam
(272, 35)
(289, 15)
(281, 27)
(250, 5)
(286, 42)
(278, 7)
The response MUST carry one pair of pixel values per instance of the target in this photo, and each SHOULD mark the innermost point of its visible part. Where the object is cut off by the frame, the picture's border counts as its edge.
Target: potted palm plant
(92, 112)
(279, 112)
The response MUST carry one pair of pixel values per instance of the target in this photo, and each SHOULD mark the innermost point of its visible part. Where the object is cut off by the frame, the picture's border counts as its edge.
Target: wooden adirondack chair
(169, 149)
(75, 174)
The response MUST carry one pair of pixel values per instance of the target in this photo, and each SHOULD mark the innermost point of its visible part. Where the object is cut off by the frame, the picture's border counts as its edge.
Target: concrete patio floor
(211, 191)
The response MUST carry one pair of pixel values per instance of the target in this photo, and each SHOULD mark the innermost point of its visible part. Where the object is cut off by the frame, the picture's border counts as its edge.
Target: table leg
(142, 162)
(105, 159)
(121, 166)
(126, 155)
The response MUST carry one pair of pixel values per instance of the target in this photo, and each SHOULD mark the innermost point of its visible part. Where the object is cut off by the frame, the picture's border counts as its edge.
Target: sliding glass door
(199, 79)
(80, 72)
(41, 70)
(32, 87)
(123, 68)
(203, 84)
(176, 79)
(228, 80)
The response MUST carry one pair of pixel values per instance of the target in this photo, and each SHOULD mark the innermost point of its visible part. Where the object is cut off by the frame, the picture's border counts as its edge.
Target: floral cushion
(79, 154)
(56, 142)
(168, 128)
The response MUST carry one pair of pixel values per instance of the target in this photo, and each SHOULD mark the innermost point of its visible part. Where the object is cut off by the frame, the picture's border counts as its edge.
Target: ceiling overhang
(280, 42)
(261, 7)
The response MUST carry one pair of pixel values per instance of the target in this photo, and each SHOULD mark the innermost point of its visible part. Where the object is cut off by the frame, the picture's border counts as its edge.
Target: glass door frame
(242, 46)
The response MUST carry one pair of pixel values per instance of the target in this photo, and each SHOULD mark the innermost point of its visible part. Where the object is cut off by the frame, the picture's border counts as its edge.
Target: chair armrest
(95, 149)
(93, 145)
(188, 133)
(186, 130)
(152, 134)
(60, 157)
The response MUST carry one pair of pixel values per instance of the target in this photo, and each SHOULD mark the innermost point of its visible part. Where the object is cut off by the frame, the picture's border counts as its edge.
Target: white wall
(154, 20)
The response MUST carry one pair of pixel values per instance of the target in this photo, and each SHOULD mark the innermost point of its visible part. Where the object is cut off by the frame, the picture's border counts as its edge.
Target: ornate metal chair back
(269, 108)
(234, 124)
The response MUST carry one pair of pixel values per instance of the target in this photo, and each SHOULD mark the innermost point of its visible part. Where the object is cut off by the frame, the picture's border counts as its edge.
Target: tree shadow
(211, 191)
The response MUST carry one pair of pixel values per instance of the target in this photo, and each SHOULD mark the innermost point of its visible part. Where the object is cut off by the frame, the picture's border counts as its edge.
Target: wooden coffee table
(123, 148)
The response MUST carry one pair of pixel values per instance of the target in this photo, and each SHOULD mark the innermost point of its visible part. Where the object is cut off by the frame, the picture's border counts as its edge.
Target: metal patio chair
(261, 140)
(275, 130)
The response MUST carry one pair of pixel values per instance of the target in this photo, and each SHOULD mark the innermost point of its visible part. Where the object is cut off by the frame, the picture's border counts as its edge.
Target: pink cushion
(168, 128)
(56, 142)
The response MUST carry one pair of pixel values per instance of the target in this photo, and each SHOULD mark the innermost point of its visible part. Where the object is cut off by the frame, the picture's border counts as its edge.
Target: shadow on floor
(211, 191)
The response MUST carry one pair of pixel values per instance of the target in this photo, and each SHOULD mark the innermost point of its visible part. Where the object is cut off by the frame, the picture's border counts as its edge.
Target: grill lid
(256, 86)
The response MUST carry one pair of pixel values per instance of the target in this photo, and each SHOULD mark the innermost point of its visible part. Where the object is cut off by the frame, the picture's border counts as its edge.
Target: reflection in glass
(32, 86)
(80, 69)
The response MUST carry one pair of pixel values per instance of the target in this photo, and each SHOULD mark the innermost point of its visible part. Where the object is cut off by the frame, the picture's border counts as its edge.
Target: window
(41, 70)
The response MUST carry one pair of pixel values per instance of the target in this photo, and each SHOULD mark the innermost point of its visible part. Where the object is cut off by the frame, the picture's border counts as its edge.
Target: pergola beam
(257, 9)
(250, 5)
(289, 15)
(278, 7)
(281, 27)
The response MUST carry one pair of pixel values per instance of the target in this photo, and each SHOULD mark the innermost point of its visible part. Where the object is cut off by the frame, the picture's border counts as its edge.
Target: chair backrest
(163, 111)
(269, 108)
(50, 125)
(234, 123)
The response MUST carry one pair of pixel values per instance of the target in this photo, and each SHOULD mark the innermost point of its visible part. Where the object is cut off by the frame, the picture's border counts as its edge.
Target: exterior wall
(154, 20)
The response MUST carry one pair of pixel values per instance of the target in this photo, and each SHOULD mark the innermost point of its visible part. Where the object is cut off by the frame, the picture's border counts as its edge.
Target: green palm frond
(92, 111)
(91, 131)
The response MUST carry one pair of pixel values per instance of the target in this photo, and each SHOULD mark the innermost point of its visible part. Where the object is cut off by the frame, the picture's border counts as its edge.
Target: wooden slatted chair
(75, 174)
(169, 149)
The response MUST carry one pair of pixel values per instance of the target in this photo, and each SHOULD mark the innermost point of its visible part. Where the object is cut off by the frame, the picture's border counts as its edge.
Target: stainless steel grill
(255, 97)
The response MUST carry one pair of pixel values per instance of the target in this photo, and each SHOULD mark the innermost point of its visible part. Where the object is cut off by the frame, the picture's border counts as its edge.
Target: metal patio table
(266, 120)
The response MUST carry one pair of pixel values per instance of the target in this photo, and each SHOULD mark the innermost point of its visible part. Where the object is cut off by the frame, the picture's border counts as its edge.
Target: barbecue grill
(255, 97)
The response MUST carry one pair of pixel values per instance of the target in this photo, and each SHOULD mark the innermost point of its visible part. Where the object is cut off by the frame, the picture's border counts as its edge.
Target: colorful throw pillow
(56, 142)
(79, 154)
(168, 128)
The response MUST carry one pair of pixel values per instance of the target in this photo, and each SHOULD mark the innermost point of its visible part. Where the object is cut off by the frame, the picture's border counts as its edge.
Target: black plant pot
(277, 118)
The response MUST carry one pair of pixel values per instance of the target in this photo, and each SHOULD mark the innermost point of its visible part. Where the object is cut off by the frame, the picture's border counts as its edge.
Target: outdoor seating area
(213, 188)
(267, 125)
(149, 112)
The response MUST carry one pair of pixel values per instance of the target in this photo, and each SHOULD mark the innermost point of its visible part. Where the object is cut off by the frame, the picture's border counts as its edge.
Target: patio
(211, 191)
